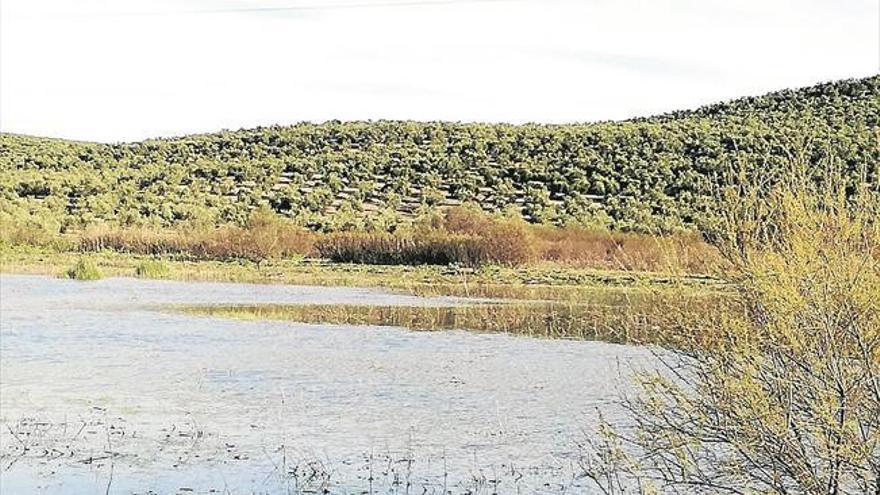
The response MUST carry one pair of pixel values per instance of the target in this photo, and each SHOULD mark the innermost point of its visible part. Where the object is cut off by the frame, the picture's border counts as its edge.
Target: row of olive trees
(636, 176)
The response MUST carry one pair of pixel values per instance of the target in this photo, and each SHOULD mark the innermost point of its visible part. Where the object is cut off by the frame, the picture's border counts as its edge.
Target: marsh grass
(265, 236)
(469, 237)
(84, 269)
(633, 319)
(461, 236)
(546, 281)
(152, 269)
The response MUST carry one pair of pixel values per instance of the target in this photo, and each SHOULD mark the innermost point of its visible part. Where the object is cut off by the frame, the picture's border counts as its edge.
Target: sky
(124, 70)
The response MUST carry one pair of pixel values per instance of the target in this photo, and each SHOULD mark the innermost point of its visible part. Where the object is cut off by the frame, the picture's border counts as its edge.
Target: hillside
(652, 173)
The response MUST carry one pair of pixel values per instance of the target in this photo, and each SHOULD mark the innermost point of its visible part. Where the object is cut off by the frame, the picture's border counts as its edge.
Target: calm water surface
(103, 389)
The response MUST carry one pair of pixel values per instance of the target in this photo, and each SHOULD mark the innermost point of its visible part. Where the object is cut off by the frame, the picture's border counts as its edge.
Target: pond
(105, 389)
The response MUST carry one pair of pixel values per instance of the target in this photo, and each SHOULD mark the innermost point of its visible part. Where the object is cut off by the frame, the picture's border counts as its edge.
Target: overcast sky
(119, 70)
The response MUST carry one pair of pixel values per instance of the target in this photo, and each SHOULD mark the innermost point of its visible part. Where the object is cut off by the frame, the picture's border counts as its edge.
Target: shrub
(779, 392)
(32, 230)
(625, 251)
(459, 236)
(151, 269)
(435, 248)
(84, 269)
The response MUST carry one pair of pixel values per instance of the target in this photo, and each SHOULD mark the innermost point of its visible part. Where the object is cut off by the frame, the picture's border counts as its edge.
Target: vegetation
(264, 236)
(645, 175)
(771, 372)
(84, 269)
(630, 317)
(779, 390)
(152, 269)
(457, 236)
(532, 282)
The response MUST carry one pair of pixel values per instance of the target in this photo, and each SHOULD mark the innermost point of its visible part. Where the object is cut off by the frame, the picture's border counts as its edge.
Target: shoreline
(532, 282)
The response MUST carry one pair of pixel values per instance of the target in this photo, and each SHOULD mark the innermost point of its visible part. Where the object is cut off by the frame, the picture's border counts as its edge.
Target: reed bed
(471, 237)
(458, 236)
(579, 246)
(650, 319)
(265, 236)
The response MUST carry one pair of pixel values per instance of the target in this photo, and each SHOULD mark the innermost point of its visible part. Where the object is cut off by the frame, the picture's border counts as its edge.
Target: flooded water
(103, 389)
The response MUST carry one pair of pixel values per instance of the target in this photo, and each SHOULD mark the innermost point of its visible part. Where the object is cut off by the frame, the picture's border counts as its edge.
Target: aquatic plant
(264, 236)
(152, 269)
(622, 318)
(84, 269)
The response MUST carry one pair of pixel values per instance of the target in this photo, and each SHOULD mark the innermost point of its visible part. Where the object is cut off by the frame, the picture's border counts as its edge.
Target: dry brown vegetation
(265, 236)
(578, 246)
(462, 236)
(470, 237)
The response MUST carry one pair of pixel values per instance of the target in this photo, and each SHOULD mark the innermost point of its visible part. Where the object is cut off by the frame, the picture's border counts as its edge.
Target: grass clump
(152, 269)
(84, 269)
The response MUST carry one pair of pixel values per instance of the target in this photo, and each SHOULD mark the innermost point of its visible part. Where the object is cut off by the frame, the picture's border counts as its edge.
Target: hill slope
(640, 174)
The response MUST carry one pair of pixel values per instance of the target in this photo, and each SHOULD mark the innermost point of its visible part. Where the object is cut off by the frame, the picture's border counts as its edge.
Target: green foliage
(642, 175)
(84, 269)
(776, 389)
(152, 269)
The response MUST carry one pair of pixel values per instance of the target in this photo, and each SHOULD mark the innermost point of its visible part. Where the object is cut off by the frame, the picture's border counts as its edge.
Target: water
(103, 389)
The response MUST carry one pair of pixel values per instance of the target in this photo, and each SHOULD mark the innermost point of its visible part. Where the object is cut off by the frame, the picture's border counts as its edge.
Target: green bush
(84, 269)
(152, 269)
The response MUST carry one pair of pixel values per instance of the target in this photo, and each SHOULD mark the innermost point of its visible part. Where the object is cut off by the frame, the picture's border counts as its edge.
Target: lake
(105, 389)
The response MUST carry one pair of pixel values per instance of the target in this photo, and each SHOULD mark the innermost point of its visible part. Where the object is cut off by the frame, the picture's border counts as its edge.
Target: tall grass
(265, 236)
(631, 320)
(152, 269)
(84, 269)
(580, 246)
(470, 237)
(463, 236)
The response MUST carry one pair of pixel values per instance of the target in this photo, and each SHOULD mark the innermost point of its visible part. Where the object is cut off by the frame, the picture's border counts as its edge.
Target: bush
(779, 391)
(84, 269)
(460, 236)
(625, 251)
(152, 269)
(433, 248)
(31, 230)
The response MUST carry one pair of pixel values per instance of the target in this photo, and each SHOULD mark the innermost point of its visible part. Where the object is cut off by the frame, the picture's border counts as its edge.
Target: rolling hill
(643, 174)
